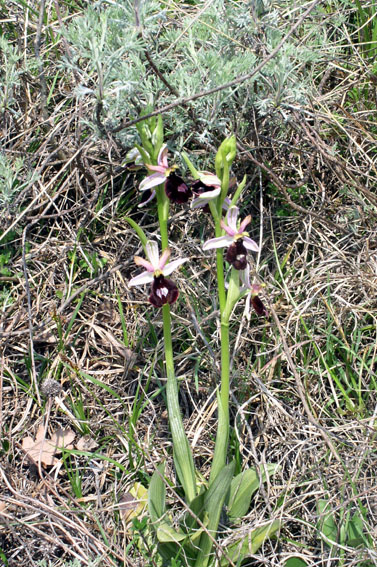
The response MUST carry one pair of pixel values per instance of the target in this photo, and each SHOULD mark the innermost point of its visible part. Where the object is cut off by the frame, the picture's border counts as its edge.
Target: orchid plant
(194, 539)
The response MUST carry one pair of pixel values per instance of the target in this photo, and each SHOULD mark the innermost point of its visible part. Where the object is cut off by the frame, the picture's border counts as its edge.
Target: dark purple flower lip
(237, 255)
(146, 197)
(198, 187)
(176, 189)
(163, 291)
(258, 305)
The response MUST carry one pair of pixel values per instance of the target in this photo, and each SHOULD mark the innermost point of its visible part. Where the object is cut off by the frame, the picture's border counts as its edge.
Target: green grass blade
(74, 314)
(122, 320)
(326, 523)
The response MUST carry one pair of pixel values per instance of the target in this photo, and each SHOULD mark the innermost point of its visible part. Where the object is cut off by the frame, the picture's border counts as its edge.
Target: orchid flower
(175, 188)
(253, 294)
(236, 239)
(207, 188)
(157, 267)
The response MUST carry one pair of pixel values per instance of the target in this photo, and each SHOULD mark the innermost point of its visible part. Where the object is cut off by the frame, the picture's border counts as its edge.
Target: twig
(27, 289)
(280, 184)
(157, 72)
(87, 285)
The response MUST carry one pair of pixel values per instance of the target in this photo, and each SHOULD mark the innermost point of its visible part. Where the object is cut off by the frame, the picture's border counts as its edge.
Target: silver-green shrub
(194, 51)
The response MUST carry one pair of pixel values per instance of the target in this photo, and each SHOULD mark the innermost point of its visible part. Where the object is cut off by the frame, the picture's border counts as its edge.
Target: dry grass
(304, 381)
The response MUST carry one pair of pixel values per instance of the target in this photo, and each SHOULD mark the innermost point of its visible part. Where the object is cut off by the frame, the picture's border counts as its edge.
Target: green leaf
(326, 523)
(295, 562)
(250, 544)
(168, 551)
(183, 460)
(197, 509)
(3, 558)
(232, 296)
(213, 503)
(167, 534)
(144, 154)
(145, 135)
(157, 495)
(134, 502)
(243, 487)
(139, 231)
(238, 191)
(355, 532)
(225, 155)
(190, 165)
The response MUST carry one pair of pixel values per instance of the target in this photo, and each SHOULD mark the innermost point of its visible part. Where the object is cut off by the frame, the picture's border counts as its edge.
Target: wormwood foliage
(128, 55)
(11, 72)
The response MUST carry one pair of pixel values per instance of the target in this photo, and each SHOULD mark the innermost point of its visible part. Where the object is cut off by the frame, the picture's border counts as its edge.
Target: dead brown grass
(319, 263)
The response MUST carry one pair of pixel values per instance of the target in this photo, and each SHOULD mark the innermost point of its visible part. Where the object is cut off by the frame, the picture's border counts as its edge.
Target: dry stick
(65, 42)
(41, 76)
(157, 72)
(300, 388)
(173, 90)
(88, 284)
(76, 523)
(280, 184)
(68, 301)
(51, 183)
(293, 415)
(191, 23)
(27, 289)
(47, 419)
(185, 100)
(161, 76)
(9, 521)
(1, 395)
(338, 162)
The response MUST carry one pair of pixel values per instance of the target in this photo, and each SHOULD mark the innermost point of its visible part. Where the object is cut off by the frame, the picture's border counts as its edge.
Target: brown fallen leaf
(133, 503)
(86, 443)
(127, 506)
(44, 450)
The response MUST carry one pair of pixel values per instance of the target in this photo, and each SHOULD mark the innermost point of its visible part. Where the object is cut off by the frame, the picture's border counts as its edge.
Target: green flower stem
(220, 268)
(222, 436)
(182, 453)
(163, 215)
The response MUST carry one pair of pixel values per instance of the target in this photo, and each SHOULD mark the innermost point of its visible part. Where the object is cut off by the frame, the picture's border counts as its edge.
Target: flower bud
(226, 154)
(158, 136)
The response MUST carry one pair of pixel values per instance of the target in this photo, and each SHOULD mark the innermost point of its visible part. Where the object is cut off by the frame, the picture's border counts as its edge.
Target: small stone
(50, 388)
